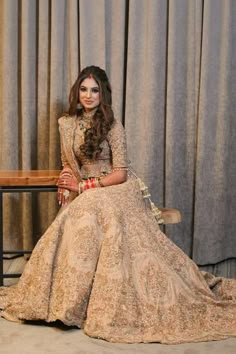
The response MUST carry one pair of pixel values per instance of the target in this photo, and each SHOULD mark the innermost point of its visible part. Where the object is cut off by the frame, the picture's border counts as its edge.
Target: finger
(62, 184)
(64, 201)
(60, 195)
(63, 196)
(66, 175)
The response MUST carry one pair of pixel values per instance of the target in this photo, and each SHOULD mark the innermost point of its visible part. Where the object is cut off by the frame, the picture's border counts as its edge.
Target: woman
(91, 124)
(103, 264)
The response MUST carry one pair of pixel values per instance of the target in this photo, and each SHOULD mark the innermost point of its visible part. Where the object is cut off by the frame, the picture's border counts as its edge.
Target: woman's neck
(89, 114)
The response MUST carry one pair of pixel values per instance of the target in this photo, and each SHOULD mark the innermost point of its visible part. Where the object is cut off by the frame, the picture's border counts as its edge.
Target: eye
(95, 90)
(83, 89)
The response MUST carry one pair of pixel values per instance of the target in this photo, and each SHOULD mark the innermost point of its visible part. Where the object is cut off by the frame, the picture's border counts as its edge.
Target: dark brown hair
(104, 116)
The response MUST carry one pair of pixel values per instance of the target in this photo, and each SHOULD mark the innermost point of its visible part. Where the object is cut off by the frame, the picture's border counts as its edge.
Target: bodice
(113, 154)
(92, 168)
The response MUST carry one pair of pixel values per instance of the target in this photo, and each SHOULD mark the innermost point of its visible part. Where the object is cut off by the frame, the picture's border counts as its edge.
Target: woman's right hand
(66, 183)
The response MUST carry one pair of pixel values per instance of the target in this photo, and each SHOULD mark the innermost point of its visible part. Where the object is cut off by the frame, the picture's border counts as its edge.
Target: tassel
(146, 195)
(156, 212)
(144, 189)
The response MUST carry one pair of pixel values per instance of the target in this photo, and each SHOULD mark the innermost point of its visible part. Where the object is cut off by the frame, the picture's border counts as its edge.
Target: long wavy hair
(103, 117)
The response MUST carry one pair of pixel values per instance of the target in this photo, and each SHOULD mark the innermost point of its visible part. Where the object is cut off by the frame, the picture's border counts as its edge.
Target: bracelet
(66, 174)
(120, 169)
(100, 182)
(89, 183)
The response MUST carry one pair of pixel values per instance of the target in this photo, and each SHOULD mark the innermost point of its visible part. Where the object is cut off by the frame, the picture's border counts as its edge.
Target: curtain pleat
(43, 72)
(9, 113)
(115, 21)
(171, 64)
(41, 217)
(145, 92)
(9, 84)
(215, 189)
(27, 107)
(183, 69)
(102, 41)
(92, 33)
(27, 84)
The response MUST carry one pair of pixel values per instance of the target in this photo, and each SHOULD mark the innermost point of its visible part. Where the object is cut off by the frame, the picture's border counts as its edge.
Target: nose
(88, 93)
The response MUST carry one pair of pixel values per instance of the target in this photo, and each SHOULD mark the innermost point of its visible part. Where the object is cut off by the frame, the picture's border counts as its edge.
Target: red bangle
(93, 185)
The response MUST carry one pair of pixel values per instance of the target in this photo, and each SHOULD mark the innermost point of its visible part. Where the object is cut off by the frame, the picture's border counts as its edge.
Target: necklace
(84, 120)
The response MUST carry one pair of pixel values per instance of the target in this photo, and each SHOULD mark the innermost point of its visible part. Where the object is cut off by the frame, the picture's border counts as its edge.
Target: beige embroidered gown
(105, 266)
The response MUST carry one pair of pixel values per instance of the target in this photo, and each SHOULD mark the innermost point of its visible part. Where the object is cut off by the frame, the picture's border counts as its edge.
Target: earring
(79, 106)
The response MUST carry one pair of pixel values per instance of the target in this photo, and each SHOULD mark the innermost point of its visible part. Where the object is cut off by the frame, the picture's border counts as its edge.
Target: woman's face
(89, 96)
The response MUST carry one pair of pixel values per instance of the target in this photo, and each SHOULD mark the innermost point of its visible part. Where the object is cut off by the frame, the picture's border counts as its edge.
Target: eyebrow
(82, 86)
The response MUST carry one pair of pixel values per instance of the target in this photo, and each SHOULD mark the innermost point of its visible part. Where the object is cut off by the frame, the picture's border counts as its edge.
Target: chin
(90, 107)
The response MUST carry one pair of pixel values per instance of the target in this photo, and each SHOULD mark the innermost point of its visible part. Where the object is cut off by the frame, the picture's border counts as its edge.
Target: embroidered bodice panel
(113, 154)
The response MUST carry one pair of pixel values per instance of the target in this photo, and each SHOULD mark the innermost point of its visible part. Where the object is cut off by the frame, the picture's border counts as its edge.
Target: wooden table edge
(28, 177)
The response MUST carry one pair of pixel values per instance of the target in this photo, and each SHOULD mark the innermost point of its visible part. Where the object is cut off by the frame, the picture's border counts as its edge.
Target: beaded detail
(146, 195)
(84, 121)
(120, 169)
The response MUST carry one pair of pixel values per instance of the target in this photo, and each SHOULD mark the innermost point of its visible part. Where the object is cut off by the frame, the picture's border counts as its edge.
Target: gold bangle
(100, 182)
(120, 169)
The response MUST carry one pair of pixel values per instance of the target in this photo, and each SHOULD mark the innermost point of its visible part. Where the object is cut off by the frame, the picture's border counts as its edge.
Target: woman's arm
(117, 142)
(116, 177)
(65, 175)
(118, 145)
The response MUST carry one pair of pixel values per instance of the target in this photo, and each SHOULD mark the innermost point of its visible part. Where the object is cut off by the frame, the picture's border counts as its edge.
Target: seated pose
(104, 265)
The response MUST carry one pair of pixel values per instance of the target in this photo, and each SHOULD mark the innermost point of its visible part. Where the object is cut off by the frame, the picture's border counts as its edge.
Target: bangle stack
(89, 183)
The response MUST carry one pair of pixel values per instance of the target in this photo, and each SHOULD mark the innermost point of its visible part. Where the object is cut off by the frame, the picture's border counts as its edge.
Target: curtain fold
(172, 68)
(145, 92)
(182, 97)
(102, 42)
(215, 189)
(9, 107)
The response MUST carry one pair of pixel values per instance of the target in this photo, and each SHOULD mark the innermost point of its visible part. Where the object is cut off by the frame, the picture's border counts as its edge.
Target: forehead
(89, 82)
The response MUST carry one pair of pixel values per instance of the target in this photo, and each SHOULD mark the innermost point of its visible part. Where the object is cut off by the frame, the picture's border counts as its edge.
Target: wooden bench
(22, 181)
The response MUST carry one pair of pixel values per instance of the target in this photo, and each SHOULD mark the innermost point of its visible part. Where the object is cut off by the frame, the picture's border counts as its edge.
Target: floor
(31, 338)
(42, 338)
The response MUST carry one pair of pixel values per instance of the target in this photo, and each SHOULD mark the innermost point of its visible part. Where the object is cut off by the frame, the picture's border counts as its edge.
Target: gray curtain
(172, 68)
